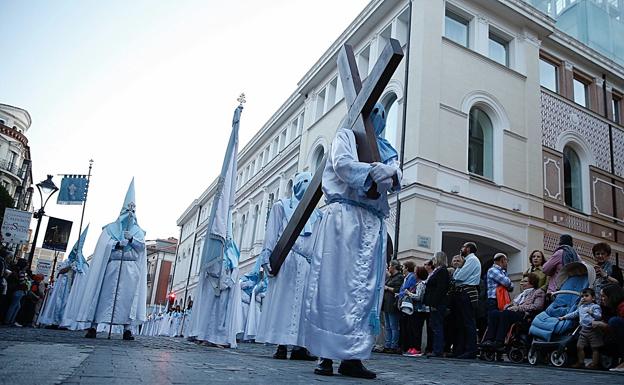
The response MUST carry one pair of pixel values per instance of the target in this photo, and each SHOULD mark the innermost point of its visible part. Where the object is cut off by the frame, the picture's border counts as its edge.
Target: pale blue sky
(148, 88)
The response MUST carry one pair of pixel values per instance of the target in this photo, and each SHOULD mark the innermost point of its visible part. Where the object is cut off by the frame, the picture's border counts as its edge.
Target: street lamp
(48, 188)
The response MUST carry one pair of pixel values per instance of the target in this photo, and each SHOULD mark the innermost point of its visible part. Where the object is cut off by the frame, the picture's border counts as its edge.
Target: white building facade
(497, 147)
(15, 160)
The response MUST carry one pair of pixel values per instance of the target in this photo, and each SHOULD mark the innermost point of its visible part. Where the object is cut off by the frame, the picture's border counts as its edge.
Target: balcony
(12, 168)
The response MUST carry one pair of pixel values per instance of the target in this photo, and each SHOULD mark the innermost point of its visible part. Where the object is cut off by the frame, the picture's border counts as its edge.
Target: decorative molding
(618, 151)
(454, 111)
(547, 192)
(559, 117)
(595, 207)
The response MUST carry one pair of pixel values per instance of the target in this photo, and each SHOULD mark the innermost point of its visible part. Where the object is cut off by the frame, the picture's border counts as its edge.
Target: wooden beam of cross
(360, 99)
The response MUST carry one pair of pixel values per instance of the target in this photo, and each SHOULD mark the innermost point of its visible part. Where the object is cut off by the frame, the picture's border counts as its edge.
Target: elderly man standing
(467, 282)
(496, 276)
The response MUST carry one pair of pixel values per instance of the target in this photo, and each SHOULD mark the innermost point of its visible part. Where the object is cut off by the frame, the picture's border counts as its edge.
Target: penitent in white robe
(74, 299)
(99, 297)
(282, 315)
(52, 313)
(345, 289)
(217, 318)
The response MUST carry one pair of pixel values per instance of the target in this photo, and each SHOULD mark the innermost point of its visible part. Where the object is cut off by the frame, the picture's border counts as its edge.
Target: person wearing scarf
(343, 300)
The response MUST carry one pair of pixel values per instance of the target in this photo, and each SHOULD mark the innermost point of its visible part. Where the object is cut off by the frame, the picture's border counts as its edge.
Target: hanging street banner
(15, 226)
(73, 190)
(57, 234)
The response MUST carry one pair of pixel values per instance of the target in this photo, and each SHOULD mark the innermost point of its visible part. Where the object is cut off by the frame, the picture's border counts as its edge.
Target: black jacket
(389, 301)
(437, 288)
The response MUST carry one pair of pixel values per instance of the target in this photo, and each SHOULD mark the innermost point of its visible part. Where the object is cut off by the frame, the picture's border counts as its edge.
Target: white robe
(74, 300)
(52, 313)
(282, 315)
(99, 297)
(216, 319)
(343, 299)
(255, 312)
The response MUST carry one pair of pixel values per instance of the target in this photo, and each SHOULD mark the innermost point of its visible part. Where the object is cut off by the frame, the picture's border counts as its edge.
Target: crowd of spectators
(21, 292)
(469, 300)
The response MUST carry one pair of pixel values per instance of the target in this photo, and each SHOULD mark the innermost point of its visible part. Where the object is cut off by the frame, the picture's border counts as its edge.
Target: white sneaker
(18, 325)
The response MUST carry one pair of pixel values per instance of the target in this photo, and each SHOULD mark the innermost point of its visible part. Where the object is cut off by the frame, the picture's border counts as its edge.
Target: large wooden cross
(360, 99)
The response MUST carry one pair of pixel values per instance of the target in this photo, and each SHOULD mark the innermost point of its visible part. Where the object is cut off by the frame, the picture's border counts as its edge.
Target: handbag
(502, 297)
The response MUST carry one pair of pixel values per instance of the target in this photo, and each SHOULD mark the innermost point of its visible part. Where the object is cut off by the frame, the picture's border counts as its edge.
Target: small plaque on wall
(424, 242)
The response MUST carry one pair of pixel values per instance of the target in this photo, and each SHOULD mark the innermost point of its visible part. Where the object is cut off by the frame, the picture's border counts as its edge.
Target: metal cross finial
(241, 99)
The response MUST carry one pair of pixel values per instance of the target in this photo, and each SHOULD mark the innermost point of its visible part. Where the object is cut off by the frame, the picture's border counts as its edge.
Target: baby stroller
(555, 340)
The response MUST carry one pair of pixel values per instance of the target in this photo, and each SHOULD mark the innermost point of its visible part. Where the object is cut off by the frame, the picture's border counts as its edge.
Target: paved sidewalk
(41, 357)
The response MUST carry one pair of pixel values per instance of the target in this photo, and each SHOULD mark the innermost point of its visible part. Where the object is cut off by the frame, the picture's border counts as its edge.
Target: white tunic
(74, 300)
(280, 322)
(216, 319)
(343, 299)
(52, 313)
(107, 267)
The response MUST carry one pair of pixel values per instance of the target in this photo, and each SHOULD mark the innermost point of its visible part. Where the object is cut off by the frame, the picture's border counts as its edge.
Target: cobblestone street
(39, 356)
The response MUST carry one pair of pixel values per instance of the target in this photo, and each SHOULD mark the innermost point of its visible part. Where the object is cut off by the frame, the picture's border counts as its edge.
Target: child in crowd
(587, 312)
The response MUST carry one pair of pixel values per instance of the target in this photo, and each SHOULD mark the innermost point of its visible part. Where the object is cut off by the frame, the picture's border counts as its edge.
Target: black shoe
(128, 335)
(91, 333)
(325, 367)
(281, 352)
(468, 356)
(302, 355)
(354, 368)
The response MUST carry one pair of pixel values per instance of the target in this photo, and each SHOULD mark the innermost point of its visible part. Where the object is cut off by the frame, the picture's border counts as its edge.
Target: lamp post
(48, 188)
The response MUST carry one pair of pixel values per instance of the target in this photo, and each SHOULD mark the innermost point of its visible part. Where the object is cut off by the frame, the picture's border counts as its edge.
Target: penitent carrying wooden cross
(360, 99)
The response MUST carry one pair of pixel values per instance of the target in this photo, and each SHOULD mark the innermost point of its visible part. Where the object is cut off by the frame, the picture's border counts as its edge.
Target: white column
(481, 35)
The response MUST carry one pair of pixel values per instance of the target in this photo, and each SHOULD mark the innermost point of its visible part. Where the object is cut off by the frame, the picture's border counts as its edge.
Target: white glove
(381, 171)
(127, 235)
(384, 184)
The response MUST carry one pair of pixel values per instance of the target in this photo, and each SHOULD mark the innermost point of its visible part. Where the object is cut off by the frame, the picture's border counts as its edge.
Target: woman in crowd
(407, 324)
(612, 303)
(437, 300)
(537, 261)
(394, 280)
(606, 272)
(530, 301)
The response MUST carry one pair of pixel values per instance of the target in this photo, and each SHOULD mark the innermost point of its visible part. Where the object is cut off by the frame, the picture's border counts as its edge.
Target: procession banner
(73, 190)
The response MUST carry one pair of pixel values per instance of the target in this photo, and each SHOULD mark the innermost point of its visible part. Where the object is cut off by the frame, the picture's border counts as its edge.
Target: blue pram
(556, 339)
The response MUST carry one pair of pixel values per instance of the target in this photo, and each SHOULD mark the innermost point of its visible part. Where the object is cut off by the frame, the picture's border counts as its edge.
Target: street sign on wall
(57, 234)
(15, 226)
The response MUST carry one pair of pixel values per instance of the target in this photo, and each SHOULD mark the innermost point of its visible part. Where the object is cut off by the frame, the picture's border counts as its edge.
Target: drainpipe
(403, 124)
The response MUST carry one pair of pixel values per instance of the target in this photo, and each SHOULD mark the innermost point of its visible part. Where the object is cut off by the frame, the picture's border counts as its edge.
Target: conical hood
(130, 201)
(76, 253)
(127, 219)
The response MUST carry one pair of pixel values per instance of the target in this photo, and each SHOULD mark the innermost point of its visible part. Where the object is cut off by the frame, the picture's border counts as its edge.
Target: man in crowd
(496, 276)
(466, 282)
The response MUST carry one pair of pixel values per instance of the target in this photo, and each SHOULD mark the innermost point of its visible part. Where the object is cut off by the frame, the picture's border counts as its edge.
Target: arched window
(255, 225)
(480, 144)
(573, 180)
(242, 232)
(319, 153)
(269, 207)
(392, 120)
